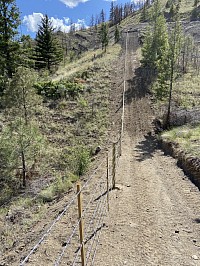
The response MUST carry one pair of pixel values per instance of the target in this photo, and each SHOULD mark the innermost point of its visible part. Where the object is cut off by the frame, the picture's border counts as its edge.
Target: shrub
(61, 185)
(79, 160)
(59, 89)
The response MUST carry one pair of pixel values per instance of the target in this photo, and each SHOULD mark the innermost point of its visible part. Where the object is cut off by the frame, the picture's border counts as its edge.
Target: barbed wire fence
(88, 208)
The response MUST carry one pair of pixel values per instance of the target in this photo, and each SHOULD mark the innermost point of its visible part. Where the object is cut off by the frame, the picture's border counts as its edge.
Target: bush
(61, 185)
(59, 89)
(78, 160)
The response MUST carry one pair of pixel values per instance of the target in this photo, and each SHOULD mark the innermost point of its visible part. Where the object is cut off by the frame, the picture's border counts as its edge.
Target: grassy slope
(66, 125)
(186, 95)
(187, 137)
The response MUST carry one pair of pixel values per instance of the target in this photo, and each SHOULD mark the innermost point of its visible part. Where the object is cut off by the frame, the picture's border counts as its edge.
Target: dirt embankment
(189, 164)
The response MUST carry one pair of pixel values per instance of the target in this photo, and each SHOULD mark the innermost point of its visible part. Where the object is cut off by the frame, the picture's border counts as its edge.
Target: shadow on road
(197, 220)
(146, 148)
(138, 86)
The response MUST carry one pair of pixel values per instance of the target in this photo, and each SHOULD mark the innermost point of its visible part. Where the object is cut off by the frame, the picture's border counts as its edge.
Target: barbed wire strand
(69, 239)
(58, 217)
(67, 243)
(97, 226)
(100, 210)
(93, 218)
(88, 230)
(80, 246)
(100, 231)
(95, 251)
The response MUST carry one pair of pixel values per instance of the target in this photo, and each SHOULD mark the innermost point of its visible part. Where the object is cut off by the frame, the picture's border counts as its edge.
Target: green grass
(187, 91)
(70, 123)
(59, 186)
(187, 137)
(86, 62)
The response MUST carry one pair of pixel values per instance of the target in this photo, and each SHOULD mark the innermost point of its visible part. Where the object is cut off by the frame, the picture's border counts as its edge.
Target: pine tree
(9, 48)
(92, 21)
(117, 36)
(104, 36)
(155, 52)
(102, 16)
(47, 52)
(175, 49)
(156, 40)
(111, 19)
(26, 51)
(21, 140)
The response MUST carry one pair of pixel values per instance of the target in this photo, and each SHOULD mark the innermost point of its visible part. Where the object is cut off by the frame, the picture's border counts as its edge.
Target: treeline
(118, 12)
(167, 53)
(42, 53)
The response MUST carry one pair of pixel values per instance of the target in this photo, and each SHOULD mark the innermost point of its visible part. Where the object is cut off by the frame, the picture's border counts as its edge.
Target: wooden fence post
(113, 165)
(81, 234)
(120, 143)
(108, 182)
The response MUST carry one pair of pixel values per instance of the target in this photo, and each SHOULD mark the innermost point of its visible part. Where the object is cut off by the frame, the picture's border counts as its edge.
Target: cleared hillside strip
(154, 213)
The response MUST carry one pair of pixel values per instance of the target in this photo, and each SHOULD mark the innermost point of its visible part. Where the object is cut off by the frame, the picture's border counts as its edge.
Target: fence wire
(96, 207)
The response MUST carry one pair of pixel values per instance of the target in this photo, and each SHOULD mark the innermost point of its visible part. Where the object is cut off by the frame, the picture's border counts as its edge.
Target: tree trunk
(24, 106)
(23, 169)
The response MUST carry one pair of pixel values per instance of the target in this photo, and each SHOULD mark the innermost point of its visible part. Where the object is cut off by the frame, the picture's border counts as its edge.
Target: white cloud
(73, 3)
(32, 22)
(60, 24)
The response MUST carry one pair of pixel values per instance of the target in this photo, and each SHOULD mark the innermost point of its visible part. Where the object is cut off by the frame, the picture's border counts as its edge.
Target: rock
(195, 257)
(98, 149)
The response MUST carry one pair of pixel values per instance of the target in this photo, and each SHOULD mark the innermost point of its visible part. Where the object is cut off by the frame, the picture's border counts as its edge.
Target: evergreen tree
(9, 48)
(92, 21)
(21, 140)
(112, 14)
(155, 51)
(26, 51)
(175, 49)
(104, 36)
(47, 52)
(155, 42)
(102, 16)
(117, 36)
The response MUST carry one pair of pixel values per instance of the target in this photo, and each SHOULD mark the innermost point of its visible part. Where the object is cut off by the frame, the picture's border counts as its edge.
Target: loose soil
(154, 214)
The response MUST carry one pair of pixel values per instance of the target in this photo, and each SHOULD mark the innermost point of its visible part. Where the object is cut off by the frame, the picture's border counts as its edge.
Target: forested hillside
(60, 96)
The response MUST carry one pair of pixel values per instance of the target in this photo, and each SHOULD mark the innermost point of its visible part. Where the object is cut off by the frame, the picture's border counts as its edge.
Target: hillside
(81, 111)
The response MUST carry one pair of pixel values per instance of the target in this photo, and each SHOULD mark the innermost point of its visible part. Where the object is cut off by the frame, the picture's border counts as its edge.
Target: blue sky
(60, 11)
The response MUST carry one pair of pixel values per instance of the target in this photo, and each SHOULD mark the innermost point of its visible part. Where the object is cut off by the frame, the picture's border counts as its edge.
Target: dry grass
(86, 62)
(187, 137)
(67, 124)
(187, 91)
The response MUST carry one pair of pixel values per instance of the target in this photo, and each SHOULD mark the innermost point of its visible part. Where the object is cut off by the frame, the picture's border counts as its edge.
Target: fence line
(96, 217)
(58, 218)
(84, 213)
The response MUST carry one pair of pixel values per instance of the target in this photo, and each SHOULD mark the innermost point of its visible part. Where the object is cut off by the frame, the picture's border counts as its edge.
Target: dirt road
(154, 214)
